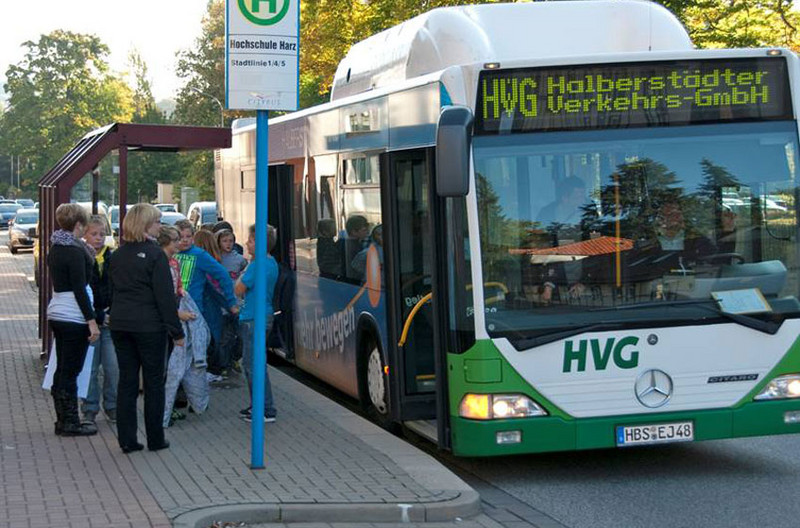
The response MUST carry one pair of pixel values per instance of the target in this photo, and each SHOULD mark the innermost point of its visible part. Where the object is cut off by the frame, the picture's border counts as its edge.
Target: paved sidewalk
(324, 464)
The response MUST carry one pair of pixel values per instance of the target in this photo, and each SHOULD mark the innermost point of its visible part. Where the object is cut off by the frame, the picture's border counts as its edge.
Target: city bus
(522, 228)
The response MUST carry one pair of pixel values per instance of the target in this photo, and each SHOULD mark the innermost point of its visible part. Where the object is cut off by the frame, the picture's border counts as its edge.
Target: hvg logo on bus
(621, 351)
(264, 15)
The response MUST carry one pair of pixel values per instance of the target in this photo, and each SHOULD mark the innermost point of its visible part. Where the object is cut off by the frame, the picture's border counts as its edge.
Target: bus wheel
(375, 384)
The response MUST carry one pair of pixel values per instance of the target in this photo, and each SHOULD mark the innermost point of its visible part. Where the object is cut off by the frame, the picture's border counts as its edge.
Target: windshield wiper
(767, 327)
(531, 342)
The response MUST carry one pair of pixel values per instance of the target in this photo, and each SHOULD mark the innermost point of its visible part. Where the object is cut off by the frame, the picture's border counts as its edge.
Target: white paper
(83, 378)
(742, 301)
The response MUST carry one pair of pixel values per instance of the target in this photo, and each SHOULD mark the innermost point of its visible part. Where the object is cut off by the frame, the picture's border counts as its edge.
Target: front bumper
(22, 242)
(478, 438)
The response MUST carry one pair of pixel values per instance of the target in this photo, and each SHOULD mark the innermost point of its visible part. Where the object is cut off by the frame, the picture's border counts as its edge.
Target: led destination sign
(632, 95)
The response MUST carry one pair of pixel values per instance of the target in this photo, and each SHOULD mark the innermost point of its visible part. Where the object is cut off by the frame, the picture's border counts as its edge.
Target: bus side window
(324, 231)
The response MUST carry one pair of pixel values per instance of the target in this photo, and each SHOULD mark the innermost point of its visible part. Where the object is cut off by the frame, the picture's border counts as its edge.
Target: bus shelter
(56, 185)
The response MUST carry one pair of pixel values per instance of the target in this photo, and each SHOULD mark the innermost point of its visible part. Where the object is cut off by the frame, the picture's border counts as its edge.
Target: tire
(374, 383)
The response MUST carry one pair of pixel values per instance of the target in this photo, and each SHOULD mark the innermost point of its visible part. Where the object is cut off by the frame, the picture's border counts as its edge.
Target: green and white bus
(534, 227)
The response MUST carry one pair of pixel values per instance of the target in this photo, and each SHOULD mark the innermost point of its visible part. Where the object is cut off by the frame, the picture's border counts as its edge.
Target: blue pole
(259, 366)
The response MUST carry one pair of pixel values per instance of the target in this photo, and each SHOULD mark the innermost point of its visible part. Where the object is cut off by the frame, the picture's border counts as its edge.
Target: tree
(61, 90)
(203, 69)
(327, 36)
(738, 24)
(146, 169)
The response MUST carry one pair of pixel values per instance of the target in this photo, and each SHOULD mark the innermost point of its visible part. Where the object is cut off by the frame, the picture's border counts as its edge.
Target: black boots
(59, 425)
(68, 420)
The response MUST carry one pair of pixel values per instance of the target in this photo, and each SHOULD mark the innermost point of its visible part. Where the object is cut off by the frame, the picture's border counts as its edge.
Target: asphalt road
(729, 483)
(751, 482)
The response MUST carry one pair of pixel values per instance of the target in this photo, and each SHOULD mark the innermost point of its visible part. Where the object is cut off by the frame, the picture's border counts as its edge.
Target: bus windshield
(636, 226)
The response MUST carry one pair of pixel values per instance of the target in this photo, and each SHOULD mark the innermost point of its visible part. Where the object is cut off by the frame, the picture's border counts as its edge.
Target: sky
(158, 29)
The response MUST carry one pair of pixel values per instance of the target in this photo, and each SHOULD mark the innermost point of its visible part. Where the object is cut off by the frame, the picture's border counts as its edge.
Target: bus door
(281, 185)
(411, 244)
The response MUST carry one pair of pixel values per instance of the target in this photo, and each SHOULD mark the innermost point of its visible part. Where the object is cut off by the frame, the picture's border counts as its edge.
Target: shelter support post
(123, 185)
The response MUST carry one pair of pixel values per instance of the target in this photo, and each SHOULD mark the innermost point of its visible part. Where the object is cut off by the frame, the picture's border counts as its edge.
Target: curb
(420, 466)
(464, 506)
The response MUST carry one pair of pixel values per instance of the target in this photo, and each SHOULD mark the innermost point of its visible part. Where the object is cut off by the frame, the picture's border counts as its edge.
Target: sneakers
(247, 416)
(89, 417)
(214, 378)
(111, 415)
(237, 366)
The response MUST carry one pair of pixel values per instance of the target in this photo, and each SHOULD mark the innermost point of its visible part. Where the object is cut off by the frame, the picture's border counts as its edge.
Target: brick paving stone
(60, 481)
(88, 481)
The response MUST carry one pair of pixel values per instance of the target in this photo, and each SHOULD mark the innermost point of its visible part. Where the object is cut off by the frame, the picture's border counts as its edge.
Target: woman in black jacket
(70, 314)
(143, 311)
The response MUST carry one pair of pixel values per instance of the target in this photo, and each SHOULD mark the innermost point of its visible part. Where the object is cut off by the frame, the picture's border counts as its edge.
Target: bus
(532, 227)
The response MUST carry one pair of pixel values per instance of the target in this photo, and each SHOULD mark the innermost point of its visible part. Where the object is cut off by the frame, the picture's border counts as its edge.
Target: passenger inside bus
(357, 228)
(562, 223)
(329, 257)
(359, 262)
(562, 217)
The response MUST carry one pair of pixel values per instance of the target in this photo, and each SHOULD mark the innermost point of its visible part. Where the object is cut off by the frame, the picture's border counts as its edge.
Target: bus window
(361, 213)
(676, 215)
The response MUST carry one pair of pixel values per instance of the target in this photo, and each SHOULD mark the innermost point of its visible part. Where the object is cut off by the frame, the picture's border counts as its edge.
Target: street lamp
(221, 108)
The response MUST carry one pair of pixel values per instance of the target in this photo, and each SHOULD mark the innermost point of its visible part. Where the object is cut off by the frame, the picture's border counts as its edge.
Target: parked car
(167, 208)
(170, 217)
(201, 213)
(113, 217)
(7, 201)
(7, 213)
(22, 231)
(26, 202)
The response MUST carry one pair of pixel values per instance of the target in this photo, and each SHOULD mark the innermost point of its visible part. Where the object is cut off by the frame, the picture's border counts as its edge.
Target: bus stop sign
(262, 51)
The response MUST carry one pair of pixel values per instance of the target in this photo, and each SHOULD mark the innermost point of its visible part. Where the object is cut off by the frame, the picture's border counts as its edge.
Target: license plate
(628, 435)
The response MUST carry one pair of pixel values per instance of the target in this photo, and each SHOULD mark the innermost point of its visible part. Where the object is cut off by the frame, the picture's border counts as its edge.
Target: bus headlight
(498, 407)
(782, 387)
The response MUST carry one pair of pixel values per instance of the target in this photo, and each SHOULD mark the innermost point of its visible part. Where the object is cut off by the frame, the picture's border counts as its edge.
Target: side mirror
(453, 142)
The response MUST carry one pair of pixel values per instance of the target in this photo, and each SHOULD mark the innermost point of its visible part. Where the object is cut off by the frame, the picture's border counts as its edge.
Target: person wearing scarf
(70, 315)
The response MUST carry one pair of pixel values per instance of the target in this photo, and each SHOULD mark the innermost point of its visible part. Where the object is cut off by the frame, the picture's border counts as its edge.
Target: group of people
(169, 307)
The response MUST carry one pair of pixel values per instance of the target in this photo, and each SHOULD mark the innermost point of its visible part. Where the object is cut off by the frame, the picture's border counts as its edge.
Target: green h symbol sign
(256, 5)
(251, 10)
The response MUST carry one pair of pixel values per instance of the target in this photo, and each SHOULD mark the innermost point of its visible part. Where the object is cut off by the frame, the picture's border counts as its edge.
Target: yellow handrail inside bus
(411, 316)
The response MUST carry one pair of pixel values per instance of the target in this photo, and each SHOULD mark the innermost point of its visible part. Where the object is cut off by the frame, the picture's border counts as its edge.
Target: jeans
(72, 342)
(103, 353)
(246, 335)
(228, 343)
(145, 351)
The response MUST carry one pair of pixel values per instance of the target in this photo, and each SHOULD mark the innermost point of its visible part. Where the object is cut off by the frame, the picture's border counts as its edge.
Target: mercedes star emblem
(653, 388)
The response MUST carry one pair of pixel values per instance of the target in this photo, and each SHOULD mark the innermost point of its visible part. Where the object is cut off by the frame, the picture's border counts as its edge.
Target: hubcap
(377, 389)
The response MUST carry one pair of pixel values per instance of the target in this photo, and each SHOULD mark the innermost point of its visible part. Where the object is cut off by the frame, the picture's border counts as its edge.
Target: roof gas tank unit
(452, 36)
